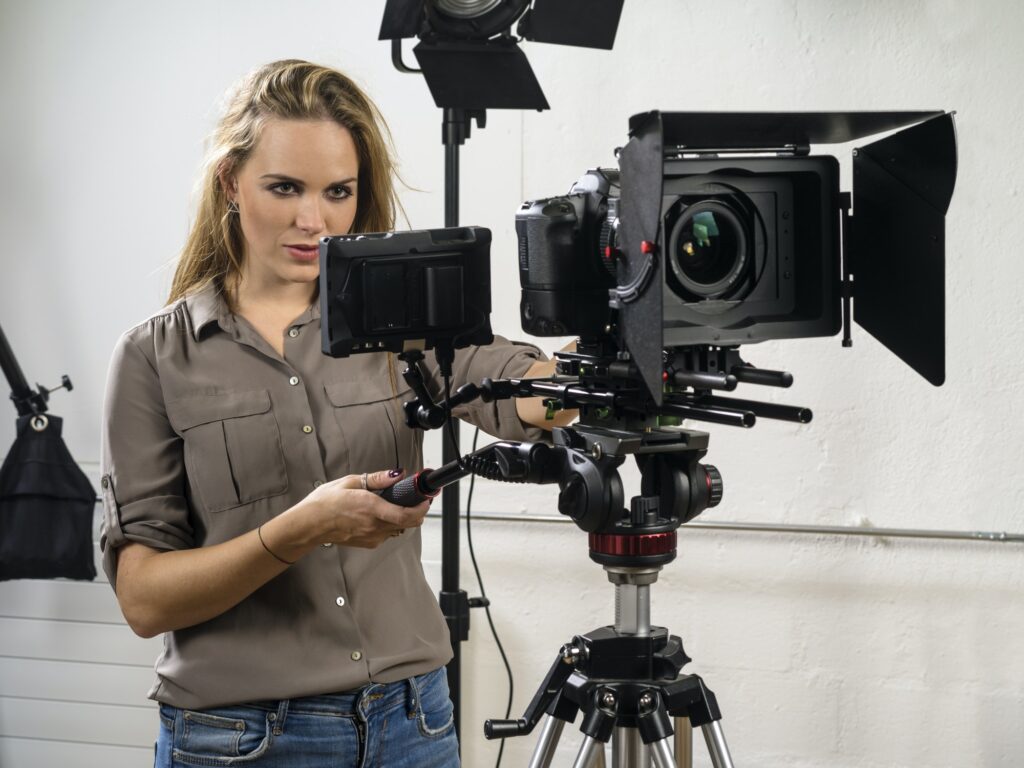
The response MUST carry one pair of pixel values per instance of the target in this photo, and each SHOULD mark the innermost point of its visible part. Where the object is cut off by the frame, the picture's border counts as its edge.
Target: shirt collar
(206, 306)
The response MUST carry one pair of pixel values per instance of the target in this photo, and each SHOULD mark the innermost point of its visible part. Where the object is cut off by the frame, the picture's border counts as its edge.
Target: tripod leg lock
(652, 718)
(600, 714)
(689, 697)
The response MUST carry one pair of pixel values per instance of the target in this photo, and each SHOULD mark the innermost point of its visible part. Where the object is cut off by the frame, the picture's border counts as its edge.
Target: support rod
(1001, 537)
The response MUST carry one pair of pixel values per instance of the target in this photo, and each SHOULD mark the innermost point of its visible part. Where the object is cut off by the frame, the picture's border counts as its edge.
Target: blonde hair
(295, 90)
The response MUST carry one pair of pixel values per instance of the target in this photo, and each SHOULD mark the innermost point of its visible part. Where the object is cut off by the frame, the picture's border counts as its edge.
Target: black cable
(450, 419)
(483, 594)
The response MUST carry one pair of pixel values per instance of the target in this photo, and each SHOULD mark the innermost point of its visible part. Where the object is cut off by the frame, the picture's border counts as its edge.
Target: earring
(232, 206)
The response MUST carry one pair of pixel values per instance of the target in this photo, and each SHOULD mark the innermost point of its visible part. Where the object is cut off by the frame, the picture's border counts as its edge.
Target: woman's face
(298, 185)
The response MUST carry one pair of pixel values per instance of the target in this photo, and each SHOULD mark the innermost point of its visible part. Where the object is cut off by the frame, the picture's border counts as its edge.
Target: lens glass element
(708, 249)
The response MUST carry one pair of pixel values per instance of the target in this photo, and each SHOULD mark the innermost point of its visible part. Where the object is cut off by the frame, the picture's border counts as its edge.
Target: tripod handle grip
(503, 729)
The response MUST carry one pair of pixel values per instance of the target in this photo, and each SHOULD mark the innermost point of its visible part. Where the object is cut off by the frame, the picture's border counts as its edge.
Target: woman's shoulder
(177, 323)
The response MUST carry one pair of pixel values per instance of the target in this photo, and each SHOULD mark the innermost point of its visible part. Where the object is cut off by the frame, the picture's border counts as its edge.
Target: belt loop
(280, 716)
(414, 697)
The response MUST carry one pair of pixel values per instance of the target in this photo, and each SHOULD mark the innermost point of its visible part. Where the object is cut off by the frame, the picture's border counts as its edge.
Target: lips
(304, 253)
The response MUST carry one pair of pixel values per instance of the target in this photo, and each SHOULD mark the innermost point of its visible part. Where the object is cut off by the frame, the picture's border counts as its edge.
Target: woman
(238, 463)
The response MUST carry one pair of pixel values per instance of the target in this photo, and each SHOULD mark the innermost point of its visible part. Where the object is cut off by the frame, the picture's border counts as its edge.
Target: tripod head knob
(643, 510)
(716, 485)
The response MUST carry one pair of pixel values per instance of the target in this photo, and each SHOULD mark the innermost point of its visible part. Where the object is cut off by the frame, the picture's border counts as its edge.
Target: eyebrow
(292, 179)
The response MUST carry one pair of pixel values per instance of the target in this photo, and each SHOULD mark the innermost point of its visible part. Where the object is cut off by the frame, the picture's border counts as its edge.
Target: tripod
(626, 681)
(626, 678)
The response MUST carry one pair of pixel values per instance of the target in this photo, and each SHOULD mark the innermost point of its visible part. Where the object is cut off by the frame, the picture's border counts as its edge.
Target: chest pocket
(372, 423)
(233, 452)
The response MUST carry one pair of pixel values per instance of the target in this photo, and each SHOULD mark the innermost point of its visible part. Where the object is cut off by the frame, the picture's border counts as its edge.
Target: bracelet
(259, 532)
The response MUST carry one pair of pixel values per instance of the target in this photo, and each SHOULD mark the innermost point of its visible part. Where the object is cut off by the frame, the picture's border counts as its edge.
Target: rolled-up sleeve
(501, 359)
(142, 465)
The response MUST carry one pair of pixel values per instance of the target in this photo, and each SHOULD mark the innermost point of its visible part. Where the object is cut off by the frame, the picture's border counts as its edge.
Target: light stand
(471, 63)
(454, 602)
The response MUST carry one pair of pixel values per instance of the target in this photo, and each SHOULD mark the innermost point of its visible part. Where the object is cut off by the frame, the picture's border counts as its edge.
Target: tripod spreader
(617, 679)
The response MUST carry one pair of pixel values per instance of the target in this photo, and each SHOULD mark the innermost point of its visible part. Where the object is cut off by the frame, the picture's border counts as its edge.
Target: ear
(228, 182)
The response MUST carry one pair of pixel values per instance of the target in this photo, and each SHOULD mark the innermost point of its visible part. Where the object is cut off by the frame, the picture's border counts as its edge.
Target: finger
(351, 482)
(403, 517)
(375, 481)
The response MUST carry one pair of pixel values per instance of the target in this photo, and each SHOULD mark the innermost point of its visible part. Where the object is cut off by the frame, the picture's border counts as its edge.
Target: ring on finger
(362, 481)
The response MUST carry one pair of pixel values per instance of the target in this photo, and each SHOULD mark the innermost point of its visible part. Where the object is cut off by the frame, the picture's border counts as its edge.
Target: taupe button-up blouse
(208, 433)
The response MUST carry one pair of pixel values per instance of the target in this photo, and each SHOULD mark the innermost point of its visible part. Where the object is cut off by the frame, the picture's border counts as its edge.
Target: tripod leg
(545, 749)
(628, 749)
(662, 753)
(588, 752)
(717, 747)
(684, 742)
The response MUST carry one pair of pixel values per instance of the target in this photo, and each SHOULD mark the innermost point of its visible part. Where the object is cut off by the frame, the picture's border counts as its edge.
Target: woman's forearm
(531, 410)
(163, 591)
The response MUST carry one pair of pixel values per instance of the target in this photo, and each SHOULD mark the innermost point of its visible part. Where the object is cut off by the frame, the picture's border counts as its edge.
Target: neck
(247, 294)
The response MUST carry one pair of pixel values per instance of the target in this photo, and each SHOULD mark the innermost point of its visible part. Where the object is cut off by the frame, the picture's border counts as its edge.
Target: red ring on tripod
(637, 545)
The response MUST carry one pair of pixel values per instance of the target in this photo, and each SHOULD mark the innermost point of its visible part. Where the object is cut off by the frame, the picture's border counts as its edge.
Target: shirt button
(293, 332)
(307, 429)
(356, 655)
(340, 601)
(317, 483)
(293, 380)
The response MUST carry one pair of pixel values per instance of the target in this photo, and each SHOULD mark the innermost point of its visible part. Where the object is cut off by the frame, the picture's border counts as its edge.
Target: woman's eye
(339, 193)
(283, 188)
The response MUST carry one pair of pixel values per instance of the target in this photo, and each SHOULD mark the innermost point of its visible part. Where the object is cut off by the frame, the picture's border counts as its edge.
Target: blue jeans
(407, 724)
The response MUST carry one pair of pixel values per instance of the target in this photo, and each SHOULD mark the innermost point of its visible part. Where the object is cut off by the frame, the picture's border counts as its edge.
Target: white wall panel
(66, 600)
(83, 682)
(76, 641)
(115, 725)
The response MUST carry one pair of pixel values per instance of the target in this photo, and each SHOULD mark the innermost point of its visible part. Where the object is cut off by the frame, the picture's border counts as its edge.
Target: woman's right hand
(353, 517)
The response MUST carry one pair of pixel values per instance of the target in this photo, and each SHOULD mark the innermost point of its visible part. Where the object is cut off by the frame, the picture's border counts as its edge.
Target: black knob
(715, 485)
(644, 510)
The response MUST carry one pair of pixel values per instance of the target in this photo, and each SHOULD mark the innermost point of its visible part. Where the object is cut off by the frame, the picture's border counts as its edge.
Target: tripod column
(684, 742)
(629, 750)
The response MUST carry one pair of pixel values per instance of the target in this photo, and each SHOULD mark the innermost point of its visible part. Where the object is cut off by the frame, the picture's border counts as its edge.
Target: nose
(309, 217)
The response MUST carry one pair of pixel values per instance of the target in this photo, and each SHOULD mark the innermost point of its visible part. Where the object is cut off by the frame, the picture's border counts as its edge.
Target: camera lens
(708, 249)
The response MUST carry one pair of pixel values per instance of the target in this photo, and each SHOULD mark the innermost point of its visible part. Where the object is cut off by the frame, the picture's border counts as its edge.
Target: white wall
(823, 651)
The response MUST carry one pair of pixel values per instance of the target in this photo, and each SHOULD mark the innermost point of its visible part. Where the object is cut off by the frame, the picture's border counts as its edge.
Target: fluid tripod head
(584, 461)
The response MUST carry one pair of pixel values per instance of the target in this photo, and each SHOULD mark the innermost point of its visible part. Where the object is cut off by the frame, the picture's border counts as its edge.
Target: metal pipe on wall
(1001, 537)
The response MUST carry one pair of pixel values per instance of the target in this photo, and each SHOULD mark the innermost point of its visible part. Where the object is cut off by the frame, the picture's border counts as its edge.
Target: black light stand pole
(26, 399)
(454, 601)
